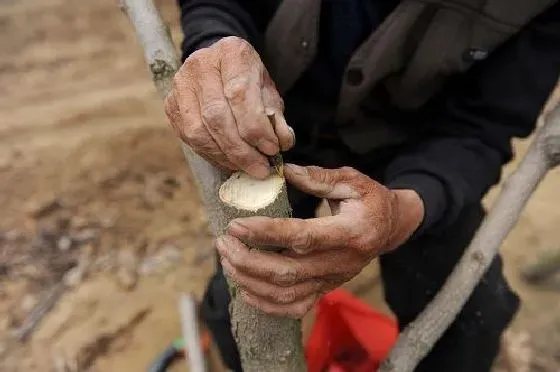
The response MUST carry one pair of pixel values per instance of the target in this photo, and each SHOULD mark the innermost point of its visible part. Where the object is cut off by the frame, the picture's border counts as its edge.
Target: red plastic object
(348, 335)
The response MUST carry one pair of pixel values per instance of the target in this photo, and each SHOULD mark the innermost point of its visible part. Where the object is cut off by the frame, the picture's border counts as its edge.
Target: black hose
(165, 359)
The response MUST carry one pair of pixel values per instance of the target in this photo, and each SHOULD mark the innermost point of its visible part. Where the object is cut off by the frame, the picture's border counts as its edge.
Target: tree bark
(419, 337)
(266, 343)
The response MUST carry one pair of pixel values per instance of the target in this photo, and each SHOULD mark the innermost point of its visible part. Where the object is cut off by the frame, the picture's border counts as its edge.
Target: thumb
(322, 182)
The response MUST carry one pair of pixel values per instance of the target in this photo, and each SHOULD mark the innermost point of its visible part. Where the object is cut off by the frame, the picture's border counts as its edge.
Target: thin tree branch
(46, 303)
(416, 341)
(155, 40)
(163, 63)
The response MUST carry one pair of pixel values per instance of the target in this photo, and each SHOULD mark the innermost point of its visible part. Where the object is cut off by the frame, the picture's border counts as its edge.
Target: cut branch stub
(265, 342)
(244, 196)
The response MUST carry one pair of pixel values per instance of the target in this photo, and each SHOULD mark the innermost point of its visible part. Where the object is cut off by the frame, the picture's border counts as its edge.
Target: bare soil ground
(95, 194)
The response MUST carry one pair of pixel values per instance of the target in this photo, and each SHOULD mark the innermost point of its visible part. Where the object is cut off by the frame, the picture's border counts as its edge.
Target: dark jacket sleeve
(205, 21)
(472, 123)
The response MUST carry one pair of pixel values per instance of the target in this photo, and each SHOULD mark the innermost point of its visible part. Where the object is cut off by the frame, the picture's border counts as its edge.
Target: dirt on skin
(101, 226)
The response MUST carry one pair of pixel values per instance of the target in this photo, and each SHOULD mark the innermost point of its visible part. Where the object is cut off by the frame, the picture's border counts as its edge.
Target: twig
(194, 356)
(39, 312)
(420, 336)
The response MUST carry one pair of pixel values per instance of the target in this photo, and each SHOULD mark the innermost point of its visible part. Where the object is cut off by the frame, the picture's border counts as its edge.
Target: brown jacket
(414, 51)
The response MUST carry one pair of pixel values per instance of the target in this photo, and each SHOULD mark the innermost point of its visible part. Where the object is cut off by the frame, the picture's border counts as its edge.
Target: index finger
(242, 80)
(218, 119)
(301, 236)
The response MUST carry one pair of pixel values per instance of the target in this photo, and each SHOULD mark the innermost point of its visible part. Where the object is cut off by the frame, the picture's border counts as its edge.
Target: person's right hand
(224, 105)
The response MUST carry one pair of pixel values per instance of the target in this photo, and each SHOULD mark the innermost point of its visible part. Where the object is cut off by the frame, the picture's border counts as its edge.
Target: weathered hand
(220, 104)
(321, 253)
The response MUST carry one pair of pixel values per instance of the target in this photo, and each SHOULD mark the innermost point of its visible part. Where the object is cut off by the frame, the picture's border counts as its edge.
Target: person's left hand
(321, 253)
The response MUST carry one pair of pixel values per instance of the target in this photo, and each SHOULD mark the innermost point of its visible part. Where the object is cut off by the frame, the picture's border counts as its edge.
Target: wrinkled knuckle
(300, 310)
(317, 173)
(251, 133)
(232, 41)
(363, 246)
(286, 276)
(303, 241)
(194, 59)
(349, 171)
(189, 69)
(236, 88)
(244, 49)
(322, 176)
(287, 296)
(238, 259)
(314, 169)
(196, 135)
(214, 113)
(240, 155)
(366, 243)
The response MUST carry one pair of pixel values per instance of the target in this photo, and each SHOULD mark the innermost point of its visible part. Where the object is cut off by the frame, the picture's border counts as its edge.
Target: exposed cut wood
(246, 193)
(266, 343)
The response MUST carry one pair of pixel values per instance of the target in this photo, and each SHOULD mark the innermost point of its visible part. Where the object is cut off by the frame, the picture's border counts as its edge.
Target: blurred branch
(45, 304)
(189, 322)
(416, 341)
(155, 40)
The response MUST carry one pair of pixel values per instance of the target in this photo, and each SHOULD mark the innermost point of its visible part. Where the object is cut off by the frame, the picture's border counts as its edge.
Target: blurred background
(100, 224)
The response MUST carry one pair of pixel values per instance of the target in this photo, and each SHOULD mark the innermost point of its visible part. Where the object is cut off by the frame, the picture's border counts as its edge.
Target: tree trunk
(266, 343)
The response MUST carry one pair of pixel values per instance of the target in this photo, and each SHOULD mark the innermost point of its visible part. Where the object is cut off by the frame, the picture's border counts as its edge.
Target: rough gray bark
(420, 336)
(266, 343)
